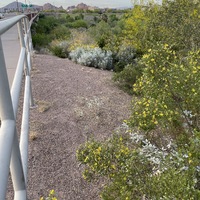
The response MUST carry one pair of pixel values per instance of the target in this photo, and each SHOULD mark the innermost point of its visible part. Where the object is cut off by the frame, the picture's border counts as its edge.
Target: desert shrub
(104, 17)
(81, 38)
(101, 33)
(46, 25)
(40, 40)
(128, 76)
(60, 48)
(46, 30)
(61, 33)
(96, 19)
(79, 17)
(136, 24)
(135, 167)
(125, 56)
(69, 18)
(113, 17)
(92, 57)
(77, 24)
(180, 29)
(115, 40)
(146, 25)
(170, 88)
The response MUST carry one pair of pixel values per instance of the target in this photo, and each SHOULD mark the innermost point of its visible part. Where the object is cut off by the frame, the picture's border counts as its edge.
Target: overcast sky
(66, 3)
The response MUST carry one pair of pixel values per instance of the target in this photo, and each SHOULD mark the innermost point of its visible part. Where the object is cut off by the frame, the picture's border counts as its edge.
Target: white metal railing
(14, 155)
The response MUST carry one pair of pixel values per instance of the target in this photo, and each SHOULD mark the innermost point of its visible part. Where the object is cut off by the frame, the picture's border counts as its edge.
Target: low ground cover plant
(51, 196)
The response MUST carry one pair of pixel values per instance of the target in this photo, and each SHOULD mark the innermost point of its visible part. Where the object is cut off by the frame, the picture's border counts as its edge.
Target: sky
(66, 3)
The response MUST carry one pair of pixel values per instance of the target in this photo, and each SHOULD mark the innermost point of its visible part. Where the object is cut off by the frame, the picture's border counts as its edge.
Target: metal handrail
(13, 154)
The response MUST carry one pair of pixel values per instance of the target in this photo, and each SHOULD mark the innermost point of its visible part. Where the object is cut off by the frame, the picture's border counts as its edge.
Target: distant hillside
(81, 6)
(11, 6)
(49, 6)
(14, 7)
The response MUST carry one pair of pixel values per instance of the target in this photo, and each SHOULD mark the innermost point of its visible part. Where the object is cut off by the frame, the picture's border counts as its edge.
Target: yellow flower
(52, 192)
(86, 159)
(99, 150)
(165, 106)
(166, 45)
(113, 166)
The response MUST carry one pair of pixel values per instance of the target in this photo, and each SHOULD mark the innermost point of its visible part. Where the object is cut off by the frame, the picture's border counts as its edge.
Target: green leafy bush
(40, 40)
(46, 30)
(128, 76)
(69, 18)
(101, 33)
(77, 24)
(60, 49)
(46, 25)
(60, 33)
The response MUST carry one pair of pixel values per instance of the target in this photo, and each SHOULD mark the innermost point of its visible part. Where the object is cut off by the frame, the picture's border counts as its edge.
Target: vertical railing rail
(13, 154)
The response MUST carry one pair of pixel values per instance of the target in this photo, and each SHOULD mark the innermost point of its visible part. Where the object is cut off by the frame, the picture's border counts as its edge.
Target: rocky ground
(73, 103)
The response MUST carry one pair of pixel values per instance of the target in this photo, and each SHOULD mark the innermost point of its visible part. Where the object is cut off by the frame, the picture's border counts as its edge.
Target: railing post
(16, 166)
(11, 153)
(7, 128)
(28, 56)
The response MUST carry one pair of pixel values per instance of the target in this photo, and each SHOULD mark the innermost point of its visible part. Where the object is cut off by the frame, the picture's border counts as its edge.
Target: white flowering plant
(137, 168)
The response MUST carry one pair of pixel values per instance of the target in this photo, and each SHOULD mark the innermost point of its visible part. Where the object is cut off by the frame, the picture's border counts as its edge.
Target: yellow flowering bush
(170, 89)
(103, 159)
(81, 39)
(134, 167)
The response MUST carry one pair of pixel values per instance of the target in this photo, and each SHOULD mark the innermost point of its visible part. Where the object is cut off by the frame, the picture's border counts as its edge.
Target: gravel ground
(74, 103)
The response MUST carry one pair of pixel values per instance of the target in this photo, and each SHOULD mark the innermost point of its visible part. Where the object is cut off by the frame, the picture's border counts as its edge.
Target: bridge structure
(14, 152)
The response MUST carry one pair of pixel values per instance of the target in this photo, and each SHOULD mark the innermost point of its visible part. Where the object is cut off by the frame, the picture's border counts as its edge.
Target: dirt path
(80, 102)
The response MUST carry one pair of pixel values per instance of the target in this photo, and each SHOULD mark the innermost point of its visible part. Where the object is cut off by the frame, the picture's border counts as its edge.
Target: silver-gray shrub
(92, 57)
(126, 56)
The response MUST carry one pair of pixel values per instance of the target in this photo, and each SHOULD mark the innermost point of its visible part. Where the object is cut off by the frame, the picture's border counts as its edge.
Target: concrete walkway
(11, 47)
